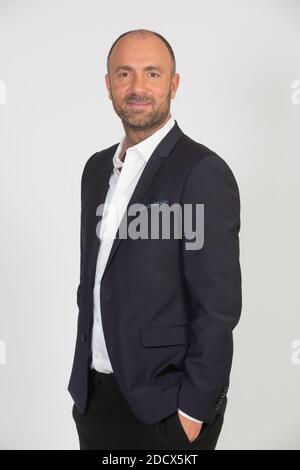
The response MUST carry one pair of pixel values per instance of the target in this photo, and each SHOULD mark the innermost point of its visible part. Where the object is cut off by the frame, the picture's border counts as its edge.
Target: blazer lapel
(97, 196)
(153, 165)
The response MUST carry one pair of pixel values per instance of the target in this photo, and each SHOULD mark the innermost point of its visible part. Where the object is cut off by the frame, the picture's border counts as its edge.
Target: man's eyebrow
(129, 68)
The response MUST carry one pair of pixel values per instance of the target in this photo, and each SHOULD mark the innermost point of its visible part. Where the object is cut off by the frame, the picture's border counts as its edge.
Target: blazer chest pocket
(155, 336)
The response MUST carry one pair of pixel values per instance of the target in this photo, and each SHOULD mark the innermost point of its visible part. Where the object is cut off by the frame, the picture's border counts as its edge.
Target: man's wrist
(189, 417)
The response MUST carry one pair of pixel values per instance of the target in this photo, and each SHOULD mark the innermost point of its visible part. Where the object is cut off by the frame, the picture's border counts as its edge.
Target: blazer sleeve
(212, 277)
(79, 288)
(88, 167)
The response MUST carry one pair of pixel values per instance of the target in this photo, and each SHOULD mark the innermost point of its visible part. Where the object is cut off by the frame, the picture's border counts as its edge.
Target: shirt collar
(145, 148)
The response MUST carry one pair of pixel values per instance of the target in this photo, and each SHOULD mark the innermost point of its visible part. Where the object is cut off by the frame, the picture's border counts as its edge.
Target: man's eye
(122, 74)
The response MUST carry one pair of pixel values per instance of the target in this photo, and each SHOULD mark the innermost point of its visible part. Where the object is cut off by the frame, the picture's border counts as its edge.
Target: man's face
(140, 82)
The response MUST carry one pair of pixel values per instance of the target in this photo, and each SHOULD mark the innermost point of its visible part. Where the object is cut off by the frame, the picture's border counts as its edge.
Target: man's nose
(138, 84)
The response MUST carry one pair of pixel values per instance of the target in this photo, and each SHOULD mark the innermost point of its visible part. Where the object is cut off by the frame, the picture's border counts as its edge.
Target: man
(154, 343)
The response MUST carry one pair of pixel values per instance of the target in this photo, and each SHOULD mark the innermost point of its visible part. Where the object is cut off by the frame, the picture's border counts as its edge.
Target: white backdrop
(238, 61)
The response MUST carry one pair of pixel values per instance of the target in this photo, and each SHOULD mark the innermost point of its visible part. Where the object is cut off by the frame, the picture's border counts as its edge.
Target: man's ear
(174, 84)
(107, 83)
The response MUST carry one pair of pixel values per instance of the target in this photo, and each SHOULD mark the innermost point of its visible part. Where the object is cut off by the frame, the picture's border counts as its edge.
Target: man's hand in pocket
(191, 428)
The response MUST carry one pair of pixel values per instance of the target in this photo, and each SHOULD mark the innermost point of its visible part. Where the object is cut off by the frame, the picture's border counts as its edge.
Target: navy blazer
(167, 312)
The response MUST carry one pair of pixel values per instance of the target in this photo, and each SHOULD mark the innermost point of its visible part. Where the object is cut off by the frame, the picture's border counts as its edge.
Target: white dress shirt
(121, 186)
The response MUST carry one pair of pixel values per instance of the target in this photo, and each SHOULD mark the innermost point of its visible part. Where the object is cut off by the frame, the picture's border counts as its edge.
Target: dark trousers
(108, 423)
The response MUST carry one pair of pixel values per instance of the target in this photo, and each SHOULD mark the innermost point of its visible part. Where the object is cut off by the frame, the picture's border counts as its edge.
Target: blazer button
(83, 338)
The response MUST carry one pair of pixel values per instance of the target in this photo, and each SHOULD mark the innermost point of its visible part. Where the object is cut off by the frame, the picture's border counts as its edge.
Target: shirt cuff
(187, 416)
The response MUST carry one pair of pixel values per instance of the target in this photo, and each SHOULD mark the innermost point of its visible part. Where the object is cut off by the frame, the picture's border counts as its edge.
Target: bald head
(143, 34)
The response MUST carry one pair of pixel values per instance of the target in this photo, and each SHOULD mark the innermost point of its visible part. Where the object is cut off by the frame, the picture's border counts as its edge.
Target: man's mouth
(138, 105)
